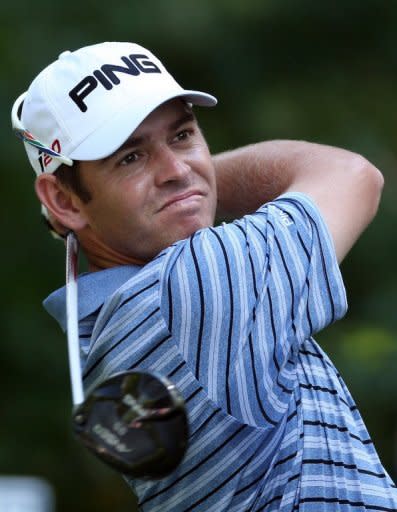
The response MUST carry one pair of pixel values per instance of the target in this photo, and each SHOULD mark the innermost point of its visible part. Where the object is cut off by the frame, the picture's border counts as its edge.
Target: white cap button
(64, 54)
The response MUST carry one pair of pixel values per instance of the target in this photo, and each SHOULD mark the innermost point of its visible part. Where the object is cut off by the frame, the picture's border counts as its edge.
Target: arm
(344, 185)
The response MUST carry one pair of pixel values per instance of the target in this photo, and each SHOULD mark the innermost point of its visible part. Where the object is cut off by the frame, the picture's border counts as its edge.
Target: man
(227, 313)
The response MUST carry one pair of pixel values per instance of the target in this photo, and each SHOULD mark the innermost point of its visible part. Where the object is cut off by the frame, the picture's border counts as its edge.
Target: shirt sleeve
(241, 298)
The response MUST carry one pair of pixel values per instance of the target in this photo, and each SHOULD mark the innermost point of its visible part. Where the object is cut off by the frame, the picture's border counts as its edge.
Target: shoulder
(288, 216)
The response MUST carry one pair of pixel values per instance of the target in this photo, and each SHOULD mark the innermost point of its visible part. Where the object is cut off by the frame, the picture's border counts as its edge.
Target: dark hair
(70, 177)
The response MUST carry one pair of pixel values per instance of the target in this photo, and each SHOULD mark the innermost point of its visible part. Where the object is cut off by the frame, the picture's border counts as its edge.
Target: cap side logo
(44, 156)
(106, 76)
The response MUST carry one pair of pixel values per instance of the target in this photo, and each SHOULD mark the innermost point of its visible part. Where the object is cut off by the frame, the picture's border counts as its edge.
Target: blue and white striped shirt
(228, 315)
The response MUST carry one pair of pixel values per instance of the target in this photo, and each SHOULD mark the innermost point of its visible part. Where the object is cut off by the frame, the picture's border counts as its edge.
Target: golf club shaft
(72, 249)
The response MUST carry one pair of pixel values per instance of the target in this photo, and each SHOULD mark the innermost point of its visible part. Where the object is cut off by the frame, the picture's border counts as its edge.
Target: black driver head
(135, 422)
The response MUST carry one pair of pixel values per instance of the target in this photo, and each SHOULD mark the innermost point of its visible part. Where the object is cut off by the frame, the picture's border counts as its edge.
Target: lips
(180, 198)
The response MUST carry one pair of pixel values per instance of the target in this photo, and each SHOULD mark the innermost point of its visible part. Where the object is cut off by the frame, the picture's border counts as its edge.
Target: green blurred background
(321, 71)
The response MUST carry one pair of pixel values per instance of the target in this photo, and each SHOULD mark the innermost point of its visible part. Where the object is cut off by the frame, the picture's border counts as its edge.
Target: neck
(100, 256)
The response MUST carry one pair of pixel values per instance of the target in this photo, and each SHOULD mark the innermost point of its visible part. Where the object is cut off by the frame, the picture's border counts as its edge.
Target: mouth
(182, 200)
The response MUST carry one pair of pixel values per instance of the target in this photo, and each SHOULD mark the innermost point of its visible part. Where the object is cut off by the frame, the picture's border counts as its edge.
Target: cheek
(208, 173)
(127, 197)
(201, 161)
(110, 213)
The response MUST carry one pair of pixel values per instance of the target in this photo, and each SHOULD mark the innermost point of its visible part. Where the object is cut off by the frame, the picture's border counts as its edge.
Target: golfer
(225, 310)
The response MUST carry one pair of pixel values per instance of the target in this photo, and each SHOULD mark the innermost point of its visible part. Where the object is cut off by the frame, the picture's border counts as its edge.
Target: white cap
(86, 104)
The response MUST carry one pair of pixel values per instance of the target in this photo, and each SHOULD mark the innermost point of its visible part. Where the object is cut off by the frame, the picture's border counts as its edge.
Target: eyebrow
(135, 141)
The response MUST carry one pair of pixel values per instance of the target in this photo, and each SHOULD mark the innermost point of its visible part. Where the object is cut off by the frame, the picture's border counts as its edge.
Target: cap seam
(58, 119)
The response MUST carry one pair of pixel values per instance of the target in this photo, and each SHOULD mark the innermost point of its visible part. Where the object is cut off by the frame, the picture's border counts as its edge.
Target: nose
(170, 166)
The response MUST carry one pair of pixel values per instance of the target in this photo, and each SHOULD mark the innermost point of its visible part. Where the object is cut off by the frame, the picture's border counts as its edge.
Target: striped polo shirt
(228, 316)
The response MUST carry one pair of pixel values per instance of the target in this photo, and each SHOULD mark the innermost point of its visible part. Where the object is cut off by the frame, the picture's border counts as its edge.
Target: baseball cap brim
(107, 138)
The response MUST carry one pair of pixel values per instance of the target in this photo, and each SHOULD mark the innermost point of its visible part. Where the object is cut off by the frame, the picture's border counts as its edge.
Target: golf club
(134, 421)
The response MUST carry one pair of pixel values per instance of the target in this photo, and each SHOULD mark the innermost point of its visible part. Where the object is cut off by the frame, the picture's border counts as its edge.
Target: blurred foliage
(321, 71)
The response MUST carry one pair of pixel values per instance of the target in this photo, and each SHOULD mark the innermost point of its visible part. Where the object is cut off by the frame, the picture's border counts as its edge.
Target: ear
(61, 202)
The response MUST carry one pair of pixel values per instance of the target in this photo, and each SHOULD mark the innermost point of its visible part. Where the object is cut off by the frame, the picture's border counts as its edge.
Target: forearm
(344, 185)
(250, 176)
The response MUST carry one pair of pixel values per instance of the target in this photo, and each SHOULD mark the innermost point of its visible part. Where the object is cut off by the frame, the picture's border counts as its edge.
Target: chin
(181, 230)
(182, 234)
(191, 227)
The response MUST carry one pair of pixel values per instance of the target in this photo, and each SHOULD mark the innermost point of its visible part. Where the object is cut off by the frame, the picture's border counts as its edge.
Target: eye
(130, 158)
(183, 135)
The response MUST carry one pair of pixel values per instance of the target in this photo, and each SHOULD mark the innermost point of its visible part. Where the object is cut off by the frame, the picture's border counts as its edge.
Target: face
(157, 188)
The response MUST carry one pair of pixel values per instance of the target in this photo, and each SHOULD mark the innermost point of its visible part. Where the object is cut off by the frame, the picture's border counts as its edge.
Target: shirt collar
(93, 289)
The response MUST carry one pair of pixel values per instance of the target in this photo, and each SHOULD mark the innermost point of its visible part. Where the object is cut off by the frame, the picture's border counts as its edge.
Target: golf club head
(136, 423)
